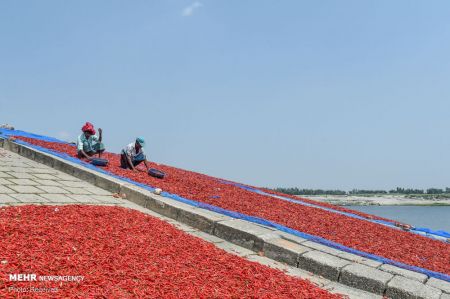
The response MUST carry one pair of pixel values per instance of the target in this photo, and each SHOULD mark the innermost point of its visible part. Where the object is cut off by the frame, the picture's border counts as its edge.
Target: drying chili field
(122, 253)
(362, 235)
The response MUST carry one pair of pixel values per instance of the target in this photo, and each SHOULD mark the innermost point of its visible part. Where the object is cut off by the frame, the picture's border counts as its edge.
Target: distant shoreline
(379, 200)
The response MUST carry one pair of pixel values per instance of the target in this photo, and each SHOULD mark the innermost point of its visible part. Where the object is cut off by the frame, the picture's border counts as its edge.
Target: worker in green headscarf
(133, 155)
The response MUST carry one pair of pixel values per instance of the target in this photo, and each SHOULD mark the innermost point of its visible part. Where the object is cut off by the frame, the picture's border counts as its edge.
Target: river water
(433, 217)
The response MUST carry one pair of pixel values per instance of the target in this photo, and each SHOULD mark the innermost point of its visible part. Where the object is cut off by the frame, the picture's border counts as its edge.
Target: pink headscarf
(88, 127)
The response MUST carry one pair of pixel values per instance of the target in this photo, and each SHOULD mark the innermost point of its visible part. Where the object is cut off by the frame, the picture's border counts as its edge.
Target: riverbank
(380, 200)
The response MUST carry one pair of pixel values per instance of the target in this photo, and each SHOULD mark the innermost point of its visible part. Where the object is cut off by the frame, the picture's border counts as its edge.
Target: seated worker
(88, 144)
(133, 155)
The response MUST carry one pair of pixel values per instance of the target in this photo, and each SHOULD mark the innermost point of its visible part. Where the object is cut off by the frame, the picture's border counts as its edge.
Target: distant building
(6, 126)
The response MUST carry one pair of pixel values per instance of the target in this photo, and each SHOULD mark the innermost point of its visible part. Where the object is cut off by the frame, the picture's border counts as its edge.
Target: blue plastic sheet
(9, 133)
(441, 233)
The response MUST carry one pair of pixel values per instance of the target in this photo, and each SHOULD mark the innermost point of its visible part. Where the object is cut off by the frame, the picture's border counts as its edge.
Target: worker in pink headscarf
(88, 144)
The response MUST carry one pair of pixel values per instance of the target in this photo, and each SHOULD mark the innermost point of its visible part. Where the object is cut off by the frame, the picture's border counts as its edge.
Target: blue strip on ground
(9, 133)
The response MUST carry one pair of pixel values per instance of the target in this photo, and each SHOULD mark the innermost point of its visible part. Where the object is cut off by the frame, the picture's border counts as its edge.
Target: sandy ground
(378, 200)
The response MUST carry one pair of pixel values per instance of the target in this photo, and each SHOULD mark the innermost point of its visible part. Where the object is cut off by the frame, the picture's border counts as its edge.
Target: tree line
(398, 190)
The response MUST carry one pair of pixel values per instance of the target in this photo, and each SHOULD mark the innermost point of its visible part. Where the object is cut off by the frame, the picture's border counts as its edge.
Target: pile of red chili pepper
(369, 237)
(122, 253)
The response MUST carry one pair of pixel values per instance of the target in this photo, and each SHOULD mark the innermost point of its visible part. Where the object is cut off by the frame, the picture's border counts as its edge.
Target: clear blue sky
(315, 94)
